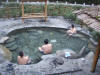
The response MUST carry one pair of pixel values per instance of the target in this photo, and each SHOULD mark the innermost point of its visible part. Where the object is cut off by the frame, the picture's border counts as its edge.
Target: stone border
(29, 25)
(44, 65)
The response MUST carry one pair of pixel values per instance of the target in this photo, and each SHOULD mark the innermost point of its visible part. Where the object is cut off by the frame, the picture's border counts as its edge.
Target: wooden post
(34, 15)
(8, 12)
(22, 11)
(45, 12)
(96, 56)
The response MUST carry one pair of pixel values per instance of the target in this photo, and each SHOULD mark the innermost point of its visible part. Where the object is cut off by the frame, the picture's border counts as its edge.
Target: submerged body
(23, 60)
(46, 48)
(72, 30)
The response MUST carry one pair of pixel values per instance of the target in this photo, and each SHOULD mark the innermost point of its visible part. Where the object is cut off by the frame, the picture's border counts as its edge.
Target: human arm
(41, 48)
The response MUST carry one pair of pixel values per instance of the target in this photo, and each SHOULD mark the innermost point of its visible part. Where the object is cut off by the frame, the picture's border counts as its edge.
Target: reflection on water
(30, 39)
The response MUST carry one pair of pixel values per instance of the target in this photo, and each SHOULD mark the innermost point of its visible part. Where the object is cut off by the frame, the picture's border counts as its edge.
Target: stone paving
(90, 16)
(47, 66)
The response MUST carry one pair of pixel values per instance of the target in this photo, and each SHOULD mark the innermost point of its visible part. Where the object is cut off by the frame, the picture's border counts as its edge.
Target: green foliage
(77, 7)
(11, 4)
(52, 10)
(95, 34)
(90, 29)
(2, 12)
(97, 17)
(70, 15)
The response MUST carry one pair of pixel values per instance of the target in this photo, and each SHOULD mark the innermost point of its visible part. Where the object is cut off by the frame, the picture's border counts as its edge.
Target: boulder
(94, 42)
(61, 53)
(3, 39)
(73, 55)
(6, 54)
(89, 56)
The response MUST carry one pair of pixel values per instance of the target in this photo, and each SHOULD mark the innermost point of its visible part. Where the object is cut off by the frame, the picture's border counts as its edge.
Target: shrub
(95, 35)
(70, 16)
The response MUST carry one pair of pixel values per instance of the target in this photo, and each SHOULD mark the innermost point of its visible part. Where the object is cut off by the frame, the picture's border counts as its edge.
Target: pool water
(29, 39)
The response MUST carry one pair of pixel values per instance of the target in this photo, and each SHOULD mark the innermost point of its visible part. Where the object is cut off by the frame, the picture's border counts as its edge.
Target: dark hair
(46, 41)
(21, 54)
(72, 26)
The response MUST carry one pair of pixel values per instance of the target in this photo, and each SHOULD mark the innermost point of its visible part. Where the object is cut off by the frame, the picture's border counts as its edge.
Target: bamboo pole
(96, 56)
(32, 15)
(8, 12)
(22, 11)
(45, 12)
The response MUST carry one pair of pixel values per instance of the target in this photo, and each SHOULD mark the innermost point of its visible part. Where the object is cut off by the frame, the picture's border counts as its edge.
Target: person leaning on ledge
(23, 60)
(46, 48)
(72, 30)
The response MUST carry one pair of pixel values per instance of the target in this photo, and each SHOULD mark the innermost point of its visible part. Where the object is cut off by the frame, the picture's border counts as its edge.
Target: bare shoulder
(26, 56)
(50, 44)
(18, 56)
(43, 46)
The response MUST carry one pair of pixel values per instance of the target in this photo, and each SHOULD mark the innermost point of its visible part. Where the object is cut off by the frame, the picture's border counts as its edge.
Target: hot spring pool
(29, 39)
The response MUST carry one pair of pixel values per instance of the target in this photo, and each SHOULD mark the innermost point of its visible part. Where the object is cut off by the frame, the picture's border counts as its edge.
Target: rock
(2, 60)
(78, 28)
(91, 46)
(72, 53)
(85, 33)
(48, 56)
(3, 39)
(26, 70)
(98, 62)
(82, 51)
(61, 53)
(8, 45)
(77, 35)
(1, 52)
(90, 17)
(94, 43)
(28, 73)
(58, 61)
(13, 48)
(5, 53)
(89, 56)
(10, 40)
(3, 33)
(7, 68)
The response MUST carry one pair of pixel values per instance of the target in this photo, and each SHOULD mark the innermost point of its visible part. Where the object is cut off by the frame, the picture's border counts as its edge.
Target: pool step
(8, 45)
(10, 40)
(13, 48)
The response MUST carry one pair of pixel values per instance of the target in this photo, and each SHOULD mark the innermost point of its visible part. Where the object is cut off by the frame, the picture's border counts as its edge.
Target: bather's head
(46, 41)
(21, 54)
(72, 26)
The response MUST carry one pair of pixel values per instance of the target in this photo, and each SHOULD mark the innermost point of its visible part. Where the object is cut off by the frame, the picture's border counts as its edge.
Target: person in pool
(23, 60)
(72, 30)
(46, 48)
